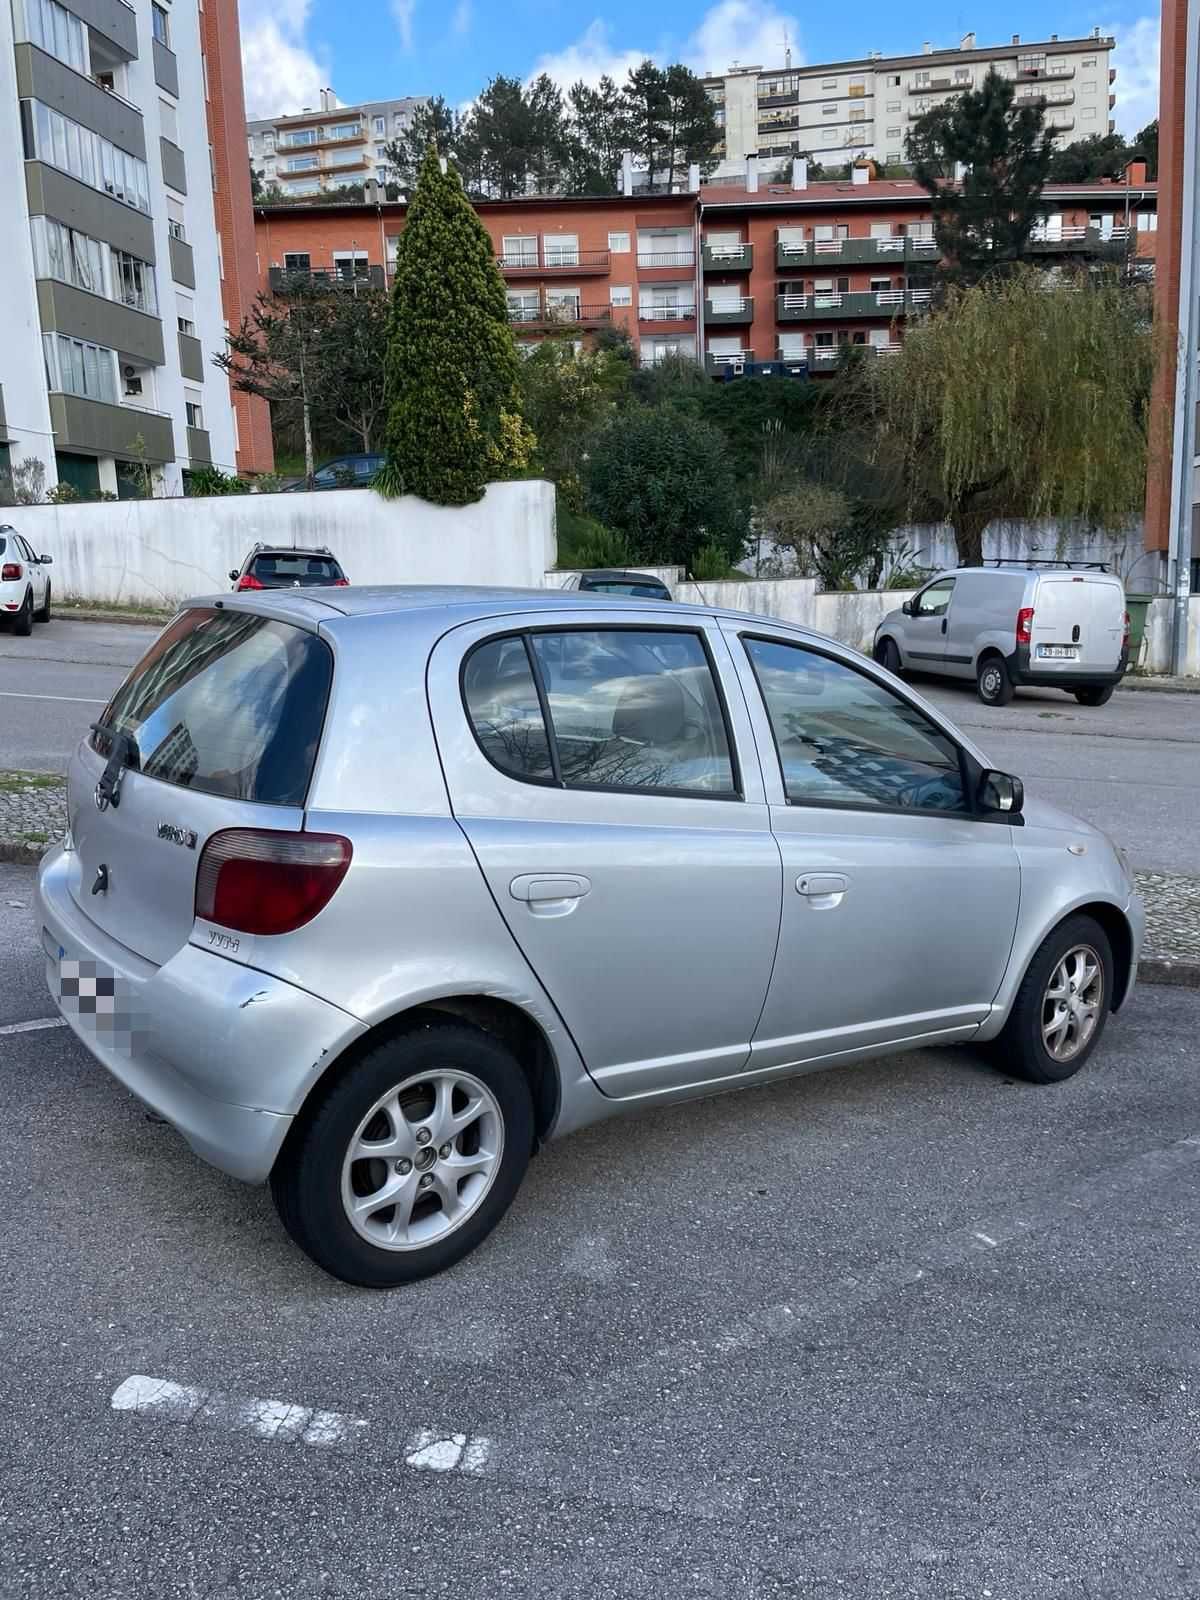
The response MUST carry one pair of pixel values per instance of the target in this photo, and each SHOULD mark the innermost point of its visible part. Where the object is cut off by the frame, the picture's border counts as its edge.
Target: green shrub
(202, 481)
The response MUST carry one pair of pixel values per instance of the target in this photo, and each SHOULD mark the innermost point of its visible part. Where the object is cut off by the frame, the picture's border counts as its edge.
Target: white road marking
(986, 1239)
(33, 1027)
(429, 1451)
(280, 1420)
(63, 699)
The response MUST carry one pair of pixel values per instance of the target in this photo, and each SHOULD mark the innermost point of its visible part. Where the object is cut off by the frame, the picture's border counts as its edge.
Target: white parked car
(24, 582)
(1048, 624)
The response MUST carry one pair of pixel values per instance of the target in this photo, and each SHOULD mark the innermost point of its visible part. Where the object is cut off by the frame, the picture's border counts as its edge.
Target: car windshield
(227, 703)
(287, 566)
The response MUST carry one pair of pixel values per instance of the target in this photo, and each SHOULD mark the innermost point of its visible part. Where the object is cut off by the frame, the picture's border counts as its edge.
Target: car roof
(291, 550)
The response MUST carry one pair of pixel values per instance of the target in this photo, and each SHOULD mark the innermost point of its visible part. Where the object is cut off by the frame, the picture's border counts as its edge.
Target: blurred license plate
(1057, 652)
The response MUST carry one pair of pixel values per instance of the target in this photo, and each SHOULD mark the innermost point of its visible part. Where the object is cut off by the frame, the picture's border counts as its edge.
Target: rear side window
(298, 568)
(602, 708)
(228, 704)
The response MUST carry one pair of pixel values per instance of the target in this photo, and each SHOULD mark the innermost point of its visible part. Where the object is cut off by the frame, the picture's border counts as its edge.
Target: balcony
(785, 124)
(65, 309)
(559, 314)
(1027, 74)
(281, 280)
(578, 263)
(718, 365)
(730, 312)
(191, 357)
(95, 427)
(684, 311)
(1076, 239)
(861, 303)
(662, 260)
(811, 254)
(932, 85)
(199, 448)
(727, 257)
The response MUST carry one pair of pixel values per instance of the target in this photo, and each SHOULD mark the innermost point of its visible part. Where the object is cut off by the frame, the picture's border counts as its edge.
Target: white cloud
(460, 23)
(589, 58)
(751, 32)
(402, 11)
(281, 70)
(1136, 87)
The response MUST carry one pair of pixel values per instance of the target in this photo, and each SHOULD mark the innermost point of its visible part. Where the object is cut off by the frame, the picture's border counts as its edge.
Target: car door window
(26, 551)
(844, 739)
(602, 708)
(934, 601)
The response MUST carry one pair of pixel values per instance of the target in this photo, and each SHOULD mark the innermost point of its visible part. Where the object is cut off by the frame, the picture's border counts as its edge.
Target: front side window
(845, 740)
(603, 708)
(934, 601)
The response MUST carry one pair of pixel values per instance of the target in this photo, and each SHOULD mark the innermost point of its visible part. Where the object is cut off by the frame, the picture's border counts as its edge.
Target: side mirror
(235, 574)
(907, 609)
(46, 561)
(1000, 791)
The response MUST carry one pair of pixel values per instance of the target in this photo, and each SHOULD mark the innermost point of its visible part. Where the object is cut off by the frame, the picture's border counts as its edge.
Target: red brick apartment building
(740, 276)
(220, 45)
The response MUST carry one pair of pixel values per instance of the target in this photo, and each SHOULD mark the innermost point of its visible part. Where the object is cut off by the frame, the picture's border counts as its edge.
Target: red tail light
(1025, 625)
(257, 881)
(341, 583)
(10, 571)
(1125, 633)
(249, 581)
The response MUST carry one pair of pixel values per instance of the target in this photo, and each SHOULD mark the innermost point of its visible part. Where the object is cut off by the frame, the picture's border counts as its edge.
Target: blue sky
(380, 49)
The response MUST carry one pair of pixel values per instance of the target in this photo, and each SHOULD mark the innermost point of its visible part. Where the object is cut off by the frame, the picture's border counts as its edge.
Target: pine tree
(454, 411)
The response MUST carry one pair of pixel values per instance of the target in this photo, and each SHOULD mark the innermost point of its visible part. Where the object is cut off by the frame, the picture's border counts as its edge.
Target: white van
(1048, 624)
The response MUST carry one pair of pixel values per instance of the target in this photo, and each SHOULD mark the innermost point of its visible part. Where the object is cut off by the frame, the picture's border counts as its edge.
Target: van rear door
(1078, 623)
(216, 727)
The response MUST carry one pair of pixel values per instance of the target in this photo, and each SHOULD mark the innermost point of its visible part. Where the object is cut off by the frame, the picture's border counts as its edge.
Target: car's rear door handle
(543, 886)
(822, 889)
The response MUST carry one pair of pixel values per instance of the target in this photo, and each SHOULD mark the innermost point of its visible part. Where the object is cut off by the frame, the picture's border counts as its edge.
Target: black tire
(887, 654)
(1094, 697)
(993, 682)
(23, 621)
(306, 1182)
(1020, 1049)
(44, 614)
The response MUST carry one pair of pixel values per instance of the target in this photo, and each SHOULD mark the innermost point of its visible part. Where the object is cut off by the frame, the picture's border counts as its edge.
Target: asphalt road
(903, 1329)
(1132, 766)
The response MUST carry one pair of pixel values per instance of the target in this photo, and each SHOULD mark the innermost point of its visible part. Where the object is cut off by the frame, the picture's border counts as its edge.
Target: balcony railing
(1076, 236)
(671, 313)
(857, 303)
(559, 314)
(666, 258)
(730, 358)
(815, 252)
(554, 261)
(281, 279)
(728, 257)
(729, 310)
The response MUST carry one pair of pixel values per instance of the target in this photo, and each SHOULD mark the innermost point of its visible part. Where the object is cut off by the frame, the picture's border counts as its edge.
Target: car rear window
(296, 567)
(641, 591)
(226, 703)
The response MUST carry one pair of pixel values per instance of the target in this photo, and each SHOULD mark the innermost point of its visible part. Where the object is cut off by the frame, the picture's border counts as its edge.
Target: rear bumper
(223, 1052)
(1030, 673)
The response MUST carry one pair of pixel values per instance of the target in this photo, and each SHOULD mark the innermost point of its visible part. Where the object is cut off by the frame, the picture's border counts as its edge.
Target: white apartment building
(111, 276)
(327, 147)
(847, 108)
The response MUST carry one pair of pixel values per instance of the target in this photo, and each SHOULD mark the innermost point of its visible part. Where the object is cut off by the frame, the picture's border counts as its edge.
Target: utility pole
(1184, 438)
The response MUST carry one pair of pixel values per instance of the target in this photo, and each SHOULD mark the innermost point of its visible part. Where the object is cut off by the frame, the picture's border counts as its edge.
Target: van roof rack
(1036, 561)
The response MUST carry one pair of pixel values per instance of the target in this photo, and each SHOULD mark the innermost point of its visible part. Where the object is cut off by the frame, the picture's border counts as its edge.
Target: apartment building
(574, 265)
(323, 148)
(866, 107)
(745, 276)
(111, 277)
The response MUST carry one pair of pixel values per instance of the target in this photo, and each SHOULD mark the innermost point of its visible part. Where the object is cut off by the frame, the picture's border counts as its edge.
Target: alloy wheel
(1071, 1004)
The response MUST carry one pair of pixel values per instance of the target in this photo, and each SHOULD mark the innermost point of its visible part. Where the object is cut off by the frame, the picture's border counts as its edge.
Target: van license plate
(1057, 652)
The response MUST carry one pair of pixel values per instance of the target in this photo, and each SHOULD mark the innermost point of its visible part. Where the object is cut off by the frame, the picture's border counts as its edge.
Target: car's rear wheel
(410, 1159)
(993, 682)
(23, 621)
(44, 614)
(1060, 1010)
(1094, 697)
(887, 653)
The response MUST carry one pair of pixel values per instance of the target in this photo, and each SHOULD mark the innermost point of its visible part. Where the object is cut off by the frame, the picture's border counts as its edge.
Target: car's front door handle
(944, 622)
(822, 889)
(538, 887)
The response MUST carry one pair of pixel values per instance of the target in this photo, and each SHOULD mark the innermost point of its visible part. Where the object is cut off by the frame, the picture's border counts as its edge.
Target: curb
(135, 619)
(21, 852)
(1159, 686)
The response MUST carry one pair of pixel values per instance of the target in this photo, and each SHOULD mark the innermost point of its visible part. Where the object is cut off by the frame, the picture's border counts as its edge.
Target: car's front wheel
(410, 1159)
(1058, 1015)
(887, 653)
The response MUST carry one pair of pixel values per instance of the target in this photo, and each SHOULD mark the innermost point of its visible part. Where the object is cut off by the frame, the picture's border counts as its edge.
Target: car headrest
(650, 710)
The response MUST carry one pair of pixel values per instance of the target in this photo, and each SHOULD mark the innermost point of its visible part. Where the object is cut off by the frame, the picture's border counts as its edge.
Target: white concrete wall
(932, 545)
(159, 552)
(1156, 653)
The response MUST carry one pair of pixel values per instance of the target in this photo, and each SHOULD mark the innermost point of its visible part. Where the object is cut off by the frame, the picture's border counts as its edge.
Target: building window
(344, 158)
(519, 250)
(962, 74)
(620, 295)
(298, 137)
(857, 114)
(63, 253)
(133, 282)
(168, 121)
(301, 164)
(268, 140)
(185, 313)
(1147, 222)
(1089, 61)
(86, 156)
(561, 249)
(57, 31)
(829, 83)
(379, 124)
(1088, 86)
(1088, 114)
(344, 130)
(829, 111)
(828, 135)
(195, 413)
(350, 264)
(381, 152)
(893, 80)
(893, 133)
(305, 186)
(1035, 63)
(858, 85)
(160, 24)
(297, 261)
(73, 366)
(893, 105)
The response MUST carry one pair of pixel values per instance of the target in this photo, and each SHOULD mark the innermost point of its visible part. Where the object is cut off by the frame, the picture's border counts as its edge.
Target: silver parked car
(371, 891)
(1048, 624)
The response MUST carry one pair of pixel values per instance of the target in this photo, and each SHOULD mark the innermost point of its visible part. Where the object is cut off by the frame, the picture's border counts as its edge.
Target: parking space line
(279, 1420)
(32, 1027)
(63, 699)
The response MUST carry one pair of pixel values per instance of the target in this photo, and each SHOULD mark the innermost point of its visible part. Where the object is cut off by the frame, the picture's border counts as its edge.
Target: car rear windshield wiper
(122, 753)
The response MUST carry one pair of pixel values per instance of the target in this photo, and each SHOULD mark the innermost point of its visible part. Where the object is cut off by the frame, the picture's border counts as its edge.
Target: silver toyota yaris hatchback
(370, 891)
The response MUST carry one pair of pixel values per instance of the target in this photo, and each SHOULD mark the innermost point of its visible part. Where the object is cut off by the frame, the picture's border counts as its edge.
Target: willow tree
(451, 370)
(1022, 397)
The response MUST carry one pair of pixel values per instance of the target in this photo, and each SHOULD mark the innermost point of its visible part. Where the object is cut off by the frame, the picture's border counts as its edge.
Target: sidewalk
(1160, 684)
(33, 816)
